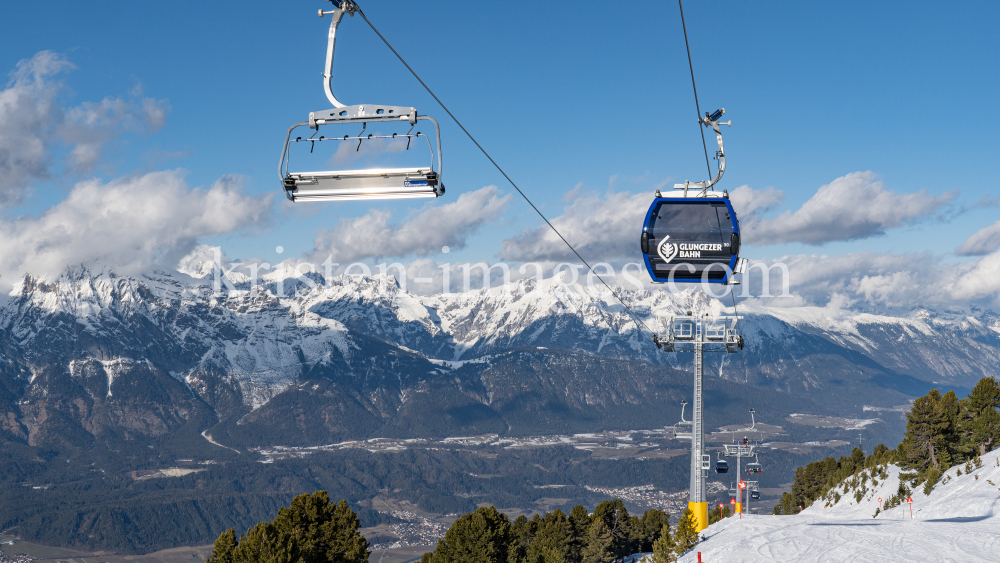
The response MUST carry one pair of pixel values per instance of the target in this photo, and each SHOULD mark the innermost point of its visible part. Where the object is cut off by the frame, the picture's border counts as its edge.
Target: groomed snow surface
(959, 521)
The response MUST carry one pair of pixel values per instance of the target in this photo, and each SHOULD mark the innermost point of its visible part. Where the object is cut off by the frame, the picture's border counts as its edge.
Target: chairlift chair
(684, 422)
(683, 434)
(693, 234)
(361, 184)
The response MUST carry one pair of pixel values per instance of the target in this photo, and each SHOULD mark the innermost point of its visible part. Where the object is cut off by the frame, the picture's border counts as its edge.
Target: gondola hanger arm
(710, 121)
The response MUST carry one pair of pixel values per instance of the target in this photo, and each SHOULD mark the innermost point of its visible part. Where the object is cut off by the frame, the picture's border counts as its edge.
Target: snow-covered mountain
(308, 359)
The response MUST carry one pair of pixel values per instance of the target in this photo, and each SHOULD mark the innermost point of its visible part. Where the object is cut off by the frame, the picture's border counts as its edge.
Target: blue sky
(561, 94)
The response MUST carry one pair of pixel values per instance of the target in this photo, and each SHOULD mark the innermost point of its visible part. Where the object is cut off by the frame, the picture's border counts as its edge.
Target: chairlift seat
(374, 183)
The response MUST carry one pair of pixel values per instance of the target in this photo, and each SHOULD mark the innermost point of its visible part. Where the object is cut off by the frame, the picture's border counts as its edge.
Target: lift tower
(699, 334)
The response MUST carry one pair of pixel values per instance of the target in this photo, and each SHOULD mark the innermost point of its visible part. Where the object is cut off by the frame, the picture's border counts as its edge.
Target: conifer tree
(522, 532)
(663, 548)
(980, 418)
(581, 521)
(617, 520)
(481, 536)
(930, 426)
(652, 524)
(553, 539)
(598, 547)
(311, 530)
(222, 551)
(686, 537)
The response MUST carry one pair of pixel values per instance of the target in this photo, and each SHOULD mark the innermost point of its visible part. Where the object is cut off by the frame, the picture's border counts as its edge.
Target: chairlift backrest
(367, 183)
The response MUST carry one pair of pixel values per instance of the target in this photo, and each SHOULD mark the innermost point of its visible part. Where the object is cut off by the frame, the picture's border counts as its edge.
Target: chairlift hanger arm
(331, 44)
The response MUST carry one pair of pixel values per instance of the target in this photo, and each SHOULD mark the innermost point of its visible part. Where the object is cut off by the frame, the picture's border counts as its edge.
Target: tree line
(941, 431)
(315, 530)
(609, 534)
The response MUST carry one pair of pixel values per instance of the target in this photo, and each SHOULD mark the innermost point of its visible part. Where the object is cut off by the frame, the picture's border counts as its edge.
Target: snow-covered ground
(959, 521)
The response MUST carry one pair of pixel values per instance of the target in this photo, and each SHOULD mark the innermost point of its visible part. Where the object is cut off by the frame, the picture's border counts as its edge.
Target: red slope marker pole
(909, 501)
(699, 557)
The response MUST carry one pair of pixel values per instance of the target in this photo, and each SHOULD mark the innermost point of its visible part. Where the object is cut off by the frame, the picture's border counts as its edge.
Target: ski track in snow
(958, 522)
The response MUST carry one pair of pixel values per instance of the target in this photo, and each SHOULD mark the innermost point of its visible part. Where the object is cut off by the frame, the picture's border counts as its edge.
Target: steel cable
(697, 106)
(497, 166)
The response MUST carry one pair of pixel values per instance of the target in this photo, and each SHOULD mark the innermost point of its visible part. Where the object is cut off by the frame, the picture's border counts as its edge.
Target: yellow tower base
(739, 508)
(700, 510)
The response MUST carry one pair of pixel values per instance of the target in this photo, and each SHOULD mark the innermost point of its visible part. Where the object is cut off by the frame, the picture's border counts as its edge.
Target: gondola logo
(667, 250)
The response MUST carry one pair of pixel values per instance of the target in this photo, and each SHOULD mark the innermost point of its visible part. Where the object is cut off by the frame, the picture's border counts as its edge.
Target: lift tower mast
(699, 334)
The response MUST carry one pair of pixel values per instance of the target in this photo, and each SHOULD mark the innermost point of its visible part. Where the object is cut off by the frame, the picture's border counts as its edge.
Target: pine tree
(929, 426)
(714, 515)
(616, 518)
(553, 539)
(222, 551)
(581, 521)
(480, 536)
(980, 418)
(598, 547)
(787, 505)
(652, 523)
(663, 548)
(311, 530)
(522, 532)
(686, 537)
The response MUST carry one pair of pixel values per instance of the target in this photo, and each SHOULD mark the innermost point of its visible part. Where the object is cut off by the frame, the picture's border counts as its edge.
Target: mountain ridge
(369, 347)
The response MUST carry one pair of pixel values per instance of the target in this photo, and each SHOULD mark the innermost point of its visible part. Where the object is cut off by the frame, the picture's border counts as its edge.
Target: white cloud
(852, 207)
(373, 235)
(32, 121)
(869, 279)
(128, 224)
(608, 227)
(600, 228)
(982, 242)
(750, 203)
(370, 150)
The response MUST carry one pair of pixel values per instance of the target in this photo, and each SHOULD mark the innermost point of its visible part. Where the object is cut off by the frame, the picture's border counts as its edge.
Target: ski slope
(958, 522)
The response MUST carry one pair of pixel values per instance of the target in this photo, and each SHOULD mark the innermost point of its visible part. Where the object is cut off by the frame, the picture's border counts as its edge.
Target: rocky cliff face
(96, 357)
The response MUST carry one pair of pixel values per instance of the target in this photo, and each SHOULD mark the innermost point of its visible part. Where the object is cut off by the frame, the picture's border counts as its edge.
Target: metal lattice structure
(741, 449)
(699, 334)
